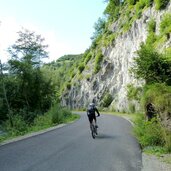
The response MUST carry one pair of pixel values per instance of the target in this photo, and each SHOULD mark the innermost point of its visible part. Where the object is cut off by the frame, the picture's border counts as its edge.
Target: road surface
(71, 148)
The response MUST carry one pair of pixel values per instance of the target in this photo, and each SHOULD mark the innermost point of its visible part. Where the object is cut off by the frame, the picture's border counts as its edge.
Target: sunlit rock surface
(114, 75)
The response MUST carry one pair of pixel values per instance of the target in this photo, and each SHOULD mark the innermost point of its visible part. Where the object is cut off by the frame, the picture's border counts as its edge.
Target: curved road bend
(71, 148)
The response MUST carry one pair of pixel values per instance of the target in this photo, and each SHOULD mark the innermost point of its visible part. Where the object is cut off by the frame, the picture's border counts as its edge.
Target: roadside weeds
(150, 162)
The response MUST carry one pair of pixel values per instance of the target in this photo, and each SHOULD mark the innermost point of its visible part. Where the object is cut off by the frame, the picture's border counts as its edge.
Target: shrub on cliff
(134, 93)
(151, 26)
(160, 96)
(152, 66)
(98, 59)
(161, 4)
(132, 2)
(165, 25)
(107, 100)
(81, 67)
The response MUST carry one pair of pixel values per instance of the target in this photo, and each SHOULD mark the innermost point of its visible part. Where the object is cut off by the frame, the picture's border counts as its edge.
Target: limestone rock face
(114, 75)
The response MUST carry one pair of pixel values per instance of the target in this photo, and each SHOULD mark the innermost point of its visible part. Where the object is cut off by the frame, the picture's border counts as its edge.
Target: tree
(29, 48)
(99, 27)
(35, 92)
(4, 96)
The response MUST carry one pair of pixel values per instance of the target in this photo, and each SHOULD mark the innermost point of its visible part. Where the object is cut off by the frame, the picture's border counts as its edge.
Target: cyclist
(91, 110)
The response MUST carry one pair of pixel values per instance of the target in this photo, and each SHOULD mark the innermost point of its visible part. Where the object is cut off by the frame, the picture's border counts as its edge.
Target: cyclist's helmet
(92, 105)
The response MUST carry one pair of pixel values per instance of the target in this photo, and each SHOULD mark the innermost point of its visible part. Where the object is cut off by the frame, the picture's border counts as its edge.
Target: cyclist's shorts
(91, 117)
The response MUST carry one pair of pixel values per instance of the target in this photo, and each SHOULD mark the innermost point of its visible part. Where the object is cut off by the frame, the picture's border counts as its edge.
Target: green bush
(42, 121)
(126, 26)
(88, 77)
(133, 93)
(151, 39)
(138, 14)
(152, 135)
(165, 25)
(68, 86)
(72, 74)
(167, 136)
(98, 59)
(27, 115)
(161, 4)
(159, 95)
(97, 68)
(152, 66)
(81, 68)
(66, 113)
(109, 38)
(140, 5)
(96, 42)
(59, 114)
(55, 115)
(132, 108)
(56, 112)
(151, 26)
(88, 57)
(19, 126)
(149, 133)
(107, 100)
(148, 2)
(168, 53)
(132, 2)
(112, 10)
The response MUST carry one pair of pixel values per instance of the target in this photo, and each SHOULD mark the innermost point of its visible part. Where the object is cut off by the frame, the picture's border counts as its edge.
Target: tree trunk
(10, 114)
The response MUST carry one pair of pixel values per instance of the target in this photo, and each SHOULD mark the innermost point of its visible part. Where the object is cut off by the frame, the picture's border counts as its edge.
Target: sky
(66, 25)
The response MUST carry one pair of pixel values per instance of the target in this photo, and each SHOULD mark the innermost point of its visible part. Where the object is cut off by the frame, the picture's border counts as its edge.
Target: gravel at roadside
(154, 163)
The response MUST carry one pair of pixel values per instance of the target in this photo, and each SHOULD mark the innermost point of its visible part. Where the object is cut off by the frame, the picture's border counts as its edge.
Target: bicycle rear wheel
(93, 132)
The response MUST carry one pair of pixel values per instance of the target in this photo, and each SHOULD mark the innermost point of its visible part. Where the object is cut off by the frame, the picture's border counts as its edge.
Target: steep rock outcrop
(114, 75)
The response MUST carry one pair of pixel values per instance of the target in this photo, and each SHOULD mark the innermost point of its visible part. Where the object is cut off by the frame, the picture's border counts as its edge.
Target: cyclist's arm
(97, 111)
(87, 112)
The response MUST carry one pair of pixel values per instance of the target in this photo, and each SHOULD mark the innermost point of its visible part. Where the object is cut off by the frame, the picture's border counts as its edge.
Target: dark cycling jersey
(91, 112)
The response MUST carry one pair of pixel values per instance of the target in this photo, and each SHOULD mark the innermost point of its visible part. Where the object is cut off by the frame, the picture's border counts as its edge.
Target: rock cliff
(114, 76)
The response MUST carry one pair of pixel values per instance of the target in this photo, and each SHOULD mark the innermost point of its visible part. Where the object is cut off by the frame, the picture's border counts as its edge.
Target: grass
(167, 159)
(160, 152)
(42, 123)
(157, 150)
(146, 139)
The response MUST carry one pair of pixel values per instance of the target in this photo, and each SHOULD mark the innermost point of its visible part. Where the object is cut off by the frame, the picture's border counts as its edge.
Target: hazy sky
(66, 25)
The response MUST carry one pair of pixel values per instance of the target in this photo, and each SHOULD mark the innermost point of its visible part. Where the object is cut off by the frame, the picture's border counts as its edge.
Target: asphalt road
(71, 148)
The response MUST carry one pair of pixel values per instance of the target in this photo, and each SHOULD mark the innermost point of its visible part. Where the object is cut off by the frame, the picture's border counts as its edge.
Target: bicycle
(93, 128)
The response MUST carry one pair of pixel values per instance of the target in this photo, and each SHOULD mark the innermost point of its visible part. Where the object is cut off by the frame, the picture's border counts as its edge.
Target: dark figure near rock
(150, 111)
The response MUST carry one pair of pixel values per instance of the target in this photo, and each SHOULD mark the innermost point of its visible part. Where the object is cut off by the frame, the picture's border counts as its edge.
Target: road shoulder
(30, 135)
(154, 163)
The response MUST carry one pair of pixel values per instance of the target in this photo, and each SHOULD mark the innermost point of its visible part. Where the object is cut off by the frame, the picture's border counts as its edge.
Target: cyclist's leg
(90, 121)
(95, 125)
(94, 117)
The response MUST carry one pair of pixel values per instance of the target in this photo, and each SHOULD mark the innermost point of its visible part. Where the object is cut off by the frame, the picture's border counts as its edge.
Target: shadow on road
(105, 136)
